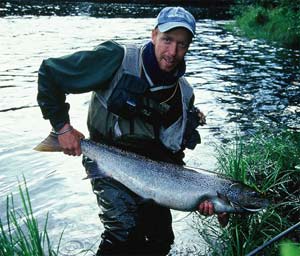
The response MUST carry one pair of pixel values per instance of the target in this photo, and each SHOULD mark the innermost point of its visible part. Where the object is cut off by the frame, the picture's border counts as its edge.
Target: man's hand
(202, 118)
(207, 208)
(70, 141)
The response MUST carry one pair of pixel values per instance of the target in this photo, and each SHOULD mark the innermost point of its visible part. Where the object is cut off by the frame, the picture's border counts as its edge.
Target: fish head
(246, 199)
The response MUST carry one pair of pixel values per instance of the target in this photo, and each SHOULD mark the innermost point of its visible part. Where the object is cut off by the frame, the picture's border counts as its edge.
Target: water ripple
(73, 247)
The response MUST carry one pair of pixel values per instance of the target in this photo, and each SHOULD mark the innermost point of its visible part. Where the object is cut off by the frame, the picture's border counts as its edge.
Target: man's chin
(168, 68)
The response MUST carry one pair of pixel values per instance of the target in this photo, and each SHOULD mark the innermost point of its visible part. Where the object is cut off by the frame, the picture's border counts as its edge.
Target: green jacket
(80, 72)
(85, 71)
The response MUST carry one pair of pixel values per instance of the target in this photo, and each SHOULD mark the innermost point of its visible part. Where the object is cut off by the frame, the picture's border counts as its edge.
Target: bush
(280, 24)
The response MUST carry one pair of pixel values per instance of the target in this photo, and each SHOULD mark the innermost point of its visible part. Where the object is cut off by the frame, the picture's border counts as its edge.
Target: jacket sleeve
(80, 72)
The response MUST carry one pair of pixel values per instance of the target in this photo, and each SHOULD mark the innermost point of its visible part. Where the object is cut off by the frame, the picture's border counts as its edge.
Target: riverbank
(275, 23)
(109, 9)
(270, 163)
(197, 3)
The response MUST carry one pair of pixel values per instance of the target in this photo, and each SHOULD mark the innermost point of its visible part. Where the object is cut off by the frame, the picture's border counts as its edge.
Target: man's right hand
(207, 208)
(70, 141)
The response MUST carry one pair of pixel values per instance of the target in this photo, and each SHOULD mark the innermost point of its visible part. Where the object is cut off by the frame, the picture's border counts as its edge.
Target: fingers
(202, 118)
(79, 134)
(70, 142)
(206, 208)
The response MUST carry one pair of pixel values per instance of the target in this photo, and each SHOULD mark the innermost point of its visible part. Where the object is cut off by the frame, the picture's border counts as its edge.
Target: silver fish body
(171, 185)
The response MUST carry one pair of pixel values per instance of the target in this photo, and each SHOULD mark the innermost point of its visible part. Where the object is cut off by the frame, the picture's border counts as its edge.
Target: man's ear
(154, 35)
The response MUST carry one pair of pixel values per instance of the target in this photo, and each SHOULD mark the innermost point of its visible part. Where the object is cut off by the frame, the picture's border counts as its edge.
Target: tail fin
(50, 144)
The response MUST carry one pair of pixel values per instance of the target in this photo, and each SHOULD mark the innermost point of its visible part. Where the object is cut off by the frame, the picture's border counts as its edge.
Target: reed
(20, 232)
(271, 164)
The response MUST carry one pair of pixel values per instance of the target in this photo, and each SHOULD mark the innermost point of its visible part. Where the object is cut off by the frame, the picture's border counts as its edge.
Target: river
(240, 84)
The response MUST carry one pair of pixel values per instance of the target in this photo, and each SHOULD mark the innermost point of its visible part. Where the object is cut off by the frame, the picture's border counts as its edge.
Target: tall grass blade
(20, 234)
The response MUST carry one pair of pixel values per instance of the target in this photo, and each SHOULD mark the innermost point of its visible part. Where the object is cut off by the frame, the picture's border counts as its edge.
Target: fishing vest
(114, 111)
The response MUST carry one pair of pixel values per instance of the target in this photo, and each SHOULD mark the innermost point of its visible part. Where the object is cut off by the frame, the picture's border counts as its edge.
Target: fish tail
(50, 144)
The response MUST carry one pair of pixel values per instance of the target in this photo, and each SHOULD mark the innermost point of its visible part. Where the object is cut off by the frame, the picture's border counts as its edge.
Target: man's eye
(167, 39)
(183, 45)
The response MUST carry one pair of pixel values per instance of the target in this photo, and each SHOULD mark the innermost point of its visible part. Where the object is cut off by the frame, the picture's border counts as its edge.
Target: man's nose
(173, 49)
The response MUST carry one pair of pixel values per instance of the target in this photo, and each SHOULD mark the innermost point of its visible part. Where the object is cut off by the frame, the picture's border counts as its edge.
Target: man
(140, 102)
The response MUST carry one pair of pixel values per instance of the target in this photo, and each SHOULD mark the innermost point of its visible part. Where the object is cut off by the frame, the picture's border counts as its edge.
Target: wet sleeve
(80, 72)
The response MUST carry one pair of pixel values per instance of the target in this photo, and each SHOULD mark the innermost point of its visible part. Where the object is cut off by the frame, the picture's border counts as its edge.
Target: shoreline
(192, 3)
(114, 8)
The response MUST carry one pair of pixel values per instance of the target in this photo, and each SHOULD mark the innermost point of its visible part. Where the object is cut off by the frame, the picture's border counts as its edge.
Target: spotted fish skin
(170, 185)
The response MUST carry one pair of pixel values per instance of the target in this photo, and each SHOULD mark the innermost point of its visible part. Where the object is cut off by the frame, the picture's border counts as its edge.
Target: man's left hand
(207, 208)
(202, 118)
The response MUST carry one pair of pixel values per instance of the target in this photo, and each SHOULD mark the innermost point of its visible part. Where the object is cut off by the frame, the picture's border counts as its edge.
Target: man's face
(170, 47)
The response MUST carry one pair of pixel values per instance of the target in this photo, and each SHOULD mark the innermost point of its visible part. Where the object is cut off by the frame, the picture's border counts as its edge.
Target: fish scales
(147, 178)
(170, 185)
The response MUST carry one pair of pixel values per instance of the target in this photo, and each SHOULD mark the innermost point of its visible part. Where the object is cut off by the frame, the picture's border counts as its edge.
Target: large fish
(170, 185)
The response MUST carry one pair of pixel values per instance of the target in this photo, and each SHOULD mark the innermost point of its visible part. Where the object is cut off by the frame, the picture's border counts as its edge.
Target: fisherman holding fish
(140, 102)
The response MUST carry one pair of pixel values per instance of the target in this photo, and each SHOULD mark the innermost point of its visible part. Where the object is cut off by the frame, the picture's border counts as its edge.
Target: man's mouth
(170, 61)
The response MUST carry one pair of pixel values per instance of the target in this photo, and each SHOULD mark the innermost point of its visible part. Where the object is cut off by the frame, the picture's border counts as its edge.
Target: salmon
(170, 185)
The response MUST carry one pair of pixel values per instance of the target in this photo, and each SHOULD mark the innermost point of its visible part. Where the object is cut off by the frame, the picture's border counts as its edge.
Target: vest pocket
(127, 98)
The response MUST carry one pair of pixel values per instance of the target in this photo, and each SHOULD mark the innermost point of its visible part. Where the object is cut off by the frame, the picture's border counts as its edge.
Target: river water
(240, 84)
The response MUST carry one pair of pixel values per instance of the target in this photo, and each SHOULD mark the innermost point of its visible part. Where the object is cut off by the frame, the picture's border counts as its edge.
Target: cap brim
(170, 25)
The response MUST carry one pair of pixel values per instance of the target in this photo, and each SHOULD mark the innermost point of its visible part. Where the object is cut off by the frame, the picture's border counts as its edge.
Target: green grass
(281, 24)
(271, 164)
(289, 249)
(20, 233)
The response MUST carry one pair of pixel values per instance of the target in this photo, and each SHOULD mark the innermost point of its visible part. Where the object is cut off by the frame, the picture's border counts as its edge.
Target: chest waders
(133, 226)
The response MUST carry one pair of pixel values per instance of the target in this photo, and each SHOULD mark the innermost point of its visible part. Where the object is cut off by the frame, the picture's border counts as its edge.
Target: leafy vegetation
(272, 20)
(271, 164)
(20, 234)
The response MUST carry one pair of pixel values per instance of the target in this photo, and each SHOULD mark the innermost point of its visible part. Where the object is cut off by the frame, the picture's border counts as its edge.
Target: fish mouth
(251, 208)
